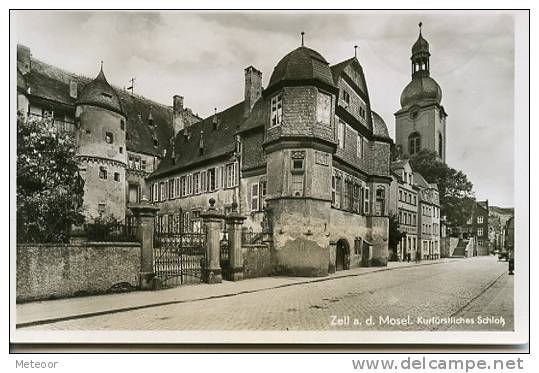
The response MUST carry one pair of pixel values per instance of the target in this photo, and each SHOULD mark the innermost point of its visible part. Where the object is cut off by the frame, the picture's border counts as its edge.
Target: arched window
(440, 145)
(414, 143)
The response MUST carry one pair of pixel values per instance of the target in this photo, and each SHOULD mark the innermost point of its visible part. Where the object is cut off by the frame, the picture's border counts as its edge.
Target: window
(297, 164)
(211, 180)
(189, 185)
(380, 201)
(254, 197)
(276, 110)
(345, 97)
(109, 137)
(101, 207)
(143, 164)
(171, 191)
(479, 232)
(333, 190)
(340, 134)
(116, 176)
(263, 193)
(196, 183)
(414, 143)
(231, 180)
(362, 112)
(400, 195)
(480, 242)
(338, 191)
(137, 163)
(366, 208)
(359, 146)
(107, 95)
(121, 149)
(346, 195)
(480, 220)
(323, 108)
(177, 190)
(203, 181)
(131, 162)
(355, 199)
(122, 124)
(183, 186)
(103, 173)
(155, 197)
(162, 194)
(440, 145)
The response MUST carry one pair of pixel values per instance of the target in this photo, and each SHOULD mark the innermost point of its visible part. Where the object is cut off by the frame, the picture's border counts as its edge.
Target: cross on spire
(355, 50)
(132, 87)
(101, 64)
(302, 39)
(420, 25)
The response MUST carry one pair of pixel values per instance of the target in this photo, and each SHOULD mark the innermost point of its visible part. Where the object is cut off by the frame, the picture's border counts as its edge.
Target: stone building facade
(404, 204)
(306, 159)
(421, 120)
(478, 227)
(429, 219)
(121, 137)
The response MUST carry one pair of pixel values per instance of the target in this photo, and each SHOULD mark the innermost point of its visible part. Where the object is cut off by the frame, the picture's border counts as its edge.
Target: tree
(49, 188)
(395, 235)
(456, 191)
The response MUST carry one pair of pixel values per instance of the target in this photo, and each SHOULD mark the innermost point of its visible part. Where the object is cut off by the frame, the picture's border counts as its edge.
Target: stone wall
(49, 271)
(256, 260)
(447, 246)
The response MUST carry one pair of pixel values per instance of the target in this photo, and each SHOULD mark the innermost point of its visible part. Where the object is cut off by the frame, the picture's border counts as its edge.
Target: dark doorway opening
(342, 260)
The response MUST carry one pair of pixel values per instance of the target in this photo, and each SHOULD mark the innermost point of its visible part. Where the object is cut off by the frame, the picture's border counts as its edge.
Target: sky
(202, 56)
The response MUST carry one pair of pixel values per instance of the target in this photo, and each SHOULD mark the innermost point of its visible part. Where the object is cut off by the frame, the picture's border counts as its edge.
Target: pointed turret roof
(100, 93)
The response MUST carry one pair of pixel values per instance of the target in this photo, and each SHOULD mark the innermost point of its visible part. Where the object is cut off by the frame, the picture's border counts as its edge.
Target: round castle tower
(102, 149)
(299, 144)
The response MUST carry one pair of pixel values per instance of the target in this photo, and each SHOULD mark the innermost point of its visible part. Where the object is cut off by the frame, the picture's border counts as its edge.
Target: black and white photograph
(260, 177)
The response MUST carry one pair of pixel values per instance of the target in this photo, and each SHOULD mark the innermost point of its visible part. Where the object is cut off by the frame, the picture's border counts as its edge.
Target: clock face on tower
(414, 113)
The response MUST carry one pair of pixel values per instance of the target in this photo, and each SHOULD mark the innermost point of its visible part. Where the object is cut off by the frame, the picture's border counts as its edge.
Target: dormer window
(107, 95)
(276, 110)
(109, 137)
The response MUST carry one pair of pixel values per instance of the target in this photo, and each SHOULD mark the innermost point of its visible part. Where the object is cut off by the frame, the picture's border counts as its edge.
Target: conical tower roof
(100, 93)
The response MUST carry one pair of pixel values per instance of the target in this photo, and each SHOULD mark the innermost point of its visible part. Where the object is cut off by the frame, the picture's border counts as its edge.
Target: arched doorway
(342, 260)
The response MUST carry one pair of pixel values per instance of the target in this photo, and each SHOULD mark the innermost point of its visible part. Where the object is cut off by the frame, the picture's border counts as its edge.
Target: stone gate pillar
(144, 213)
(234, 222)
(212, 221)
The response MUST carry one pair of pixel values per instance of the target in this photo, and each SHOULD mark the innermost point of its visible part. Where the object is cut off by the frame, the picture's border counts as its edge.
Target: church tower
(102, 149)
(420, 123)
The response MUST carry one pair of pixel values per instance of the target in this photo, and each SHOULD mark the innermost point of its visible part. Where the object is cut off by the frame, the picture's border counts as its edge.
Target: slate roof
(301, 64)
(421, 45)
(99, 93)
(52, 83)
(379, 127)
(218, 141)
(337, 69)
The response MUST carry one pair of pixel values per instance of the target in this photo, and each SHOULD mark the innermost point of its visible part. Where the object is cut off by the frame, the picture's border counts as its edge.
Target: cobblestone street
(393, 300)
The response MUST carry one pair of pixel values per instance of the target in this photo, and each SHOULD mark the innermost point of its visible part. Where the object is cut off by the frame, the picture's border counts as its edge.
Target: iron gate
(179, 254)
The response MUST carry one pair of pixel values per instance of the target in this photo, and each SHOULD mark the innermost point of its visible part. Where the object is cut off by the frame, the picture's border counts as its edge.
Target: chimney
(253, 88)
(73, 89)
(177, 113)
(24, 60)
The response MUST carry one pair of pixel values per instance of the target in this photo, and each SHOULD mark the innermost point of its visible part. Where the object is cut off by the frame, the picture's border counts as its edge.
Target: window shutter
(254, 197)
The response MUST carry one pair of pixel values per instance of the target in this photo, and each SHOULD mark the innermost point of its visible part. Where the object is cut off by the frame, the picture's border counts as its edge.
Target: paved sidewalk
(43, 312)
